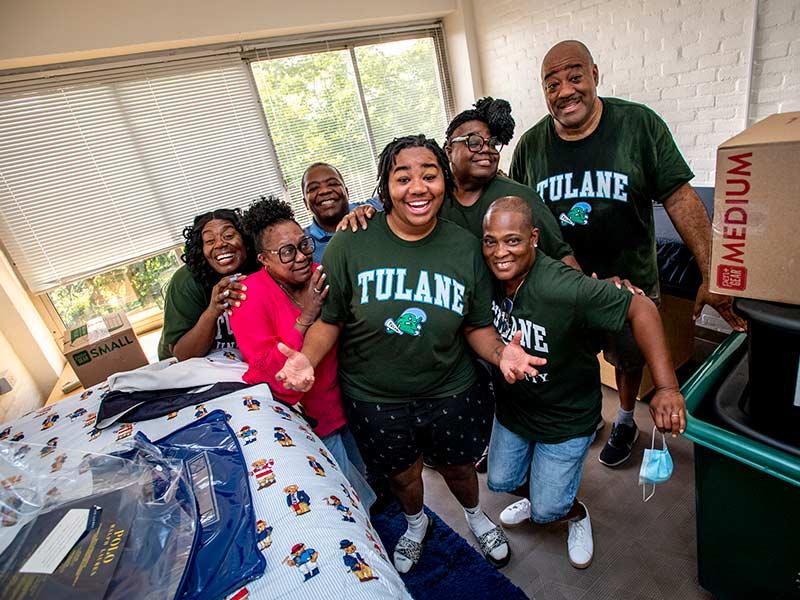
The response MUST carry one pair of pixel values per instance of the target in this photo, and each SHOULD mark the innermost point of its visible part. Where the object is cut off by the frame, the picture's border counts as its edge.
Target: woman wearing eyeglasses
(475, 138)
(473, 143)
(284, 299)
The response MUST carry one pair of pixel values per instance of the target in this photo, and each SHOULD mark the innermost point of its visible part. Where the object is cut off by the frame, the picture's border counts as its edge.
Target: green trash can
(747, 495)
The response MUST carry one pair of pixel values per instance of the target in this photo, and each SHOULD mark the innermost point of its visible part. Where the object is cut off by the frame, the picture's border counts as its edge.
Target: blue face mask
(656, 466)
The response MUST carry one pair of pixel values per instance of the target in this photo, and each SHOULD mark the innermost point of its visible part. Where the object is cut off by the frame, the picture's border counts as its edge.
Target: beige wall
(28, 349)
(24, 395)
(35, 32)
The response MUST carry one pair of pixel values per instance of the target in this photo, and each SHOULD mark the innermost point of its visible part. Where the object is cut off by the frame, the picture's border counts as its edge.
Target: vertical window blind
(102, 168)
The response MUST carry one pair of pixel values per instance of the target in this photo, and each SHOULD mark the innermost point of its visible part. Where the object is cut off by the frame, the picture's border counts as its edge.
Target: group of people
(383, 329)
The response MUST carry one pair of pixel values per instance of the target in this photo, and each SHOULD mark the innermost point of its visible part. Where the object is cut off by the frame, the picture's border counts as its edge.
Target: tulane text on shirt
(591, 184)
(532, 334)
(427, 288)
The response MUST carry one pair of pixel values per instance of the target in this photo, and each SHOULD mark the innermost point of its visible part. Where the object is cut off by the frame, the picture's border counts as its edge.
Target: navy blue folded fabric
(132, 407)
(228, 556)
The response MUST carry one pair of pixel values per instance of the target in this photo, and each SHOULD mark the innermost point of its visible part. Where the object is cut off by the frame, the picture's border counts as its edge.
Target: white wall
(776, 72)
(688, 60)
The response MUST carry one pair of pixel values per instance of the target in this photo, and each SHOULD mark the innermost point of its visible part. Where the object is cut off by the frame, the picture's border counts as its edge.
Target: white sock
(417, 526)
(479, 523)
(477, 520)
(624, 417)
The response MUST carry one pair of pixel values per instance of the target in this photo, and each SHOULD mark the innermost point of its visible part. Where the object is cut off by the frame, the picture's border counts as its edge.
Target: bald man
(544, 424)
(599, 164)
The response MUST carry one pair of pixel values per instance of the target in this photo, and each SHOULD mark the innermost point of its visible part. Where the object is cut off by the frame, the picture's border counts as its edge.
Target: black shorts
(621, 350)
(448, 431)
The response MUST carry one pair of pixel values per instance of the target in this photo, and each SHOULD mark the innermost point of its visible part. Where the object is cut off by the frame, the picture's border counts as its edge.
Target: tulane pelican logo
(577, 215)
(409, 323)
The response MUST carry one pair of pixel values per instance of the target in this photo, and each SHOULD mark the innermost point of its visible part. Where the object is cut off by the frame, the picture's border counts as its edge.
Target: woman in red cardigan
(284, 298)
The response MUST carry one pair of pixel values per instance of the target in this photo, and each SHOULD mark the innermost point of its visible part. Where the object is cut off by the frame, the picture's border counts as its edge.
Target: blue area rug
(450, 569)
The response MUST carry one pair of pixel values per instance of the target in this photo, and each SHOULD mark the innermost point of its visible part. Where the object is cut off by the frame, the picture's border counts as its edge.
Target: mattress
(316, 537)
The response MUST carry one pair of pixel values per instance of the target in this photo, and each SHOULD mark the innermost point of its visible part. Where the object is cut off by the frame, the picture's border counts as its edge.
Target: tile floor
(642, 551)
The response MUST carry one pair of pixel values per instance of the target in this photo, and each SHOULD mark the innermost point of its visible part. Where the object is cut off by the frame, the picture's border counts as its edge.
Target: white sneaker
(516, 514)
(580, 544)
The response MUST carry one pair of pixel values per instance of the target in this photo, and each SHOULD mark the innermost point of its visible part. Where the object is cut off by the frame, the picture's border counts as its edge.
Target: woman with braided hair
(474, 139)
(218, 255)
(408, 298)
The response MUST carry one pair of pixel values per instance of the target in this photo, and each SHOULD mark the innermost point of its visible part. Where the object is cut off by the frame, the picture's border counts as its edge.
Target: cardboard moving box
(756, 245)
(103, 346)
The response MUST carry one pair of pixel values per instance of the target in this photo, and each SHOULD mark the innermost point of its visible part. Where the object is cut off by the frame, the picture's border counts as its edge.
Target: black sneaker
(619, 445)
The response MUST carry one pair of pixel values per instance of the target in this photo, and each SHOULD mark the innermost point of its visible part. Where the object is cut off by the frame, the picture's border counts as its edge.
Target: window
(136, 288)
(101, 169)
(102, 165)
(343, 106)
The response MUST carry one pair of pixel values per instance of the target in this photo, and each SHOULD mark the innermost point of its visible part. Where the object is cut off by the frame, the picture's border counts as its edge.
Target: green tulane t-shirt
(601, 188)
(560, 312)
(471, 217)
(184, 302)
(403, 305)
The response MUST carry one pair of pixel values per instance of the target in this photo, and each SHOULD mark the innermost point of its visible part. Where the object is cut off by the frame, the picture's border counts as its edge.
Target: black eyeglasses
(287, 253)
(475, 142)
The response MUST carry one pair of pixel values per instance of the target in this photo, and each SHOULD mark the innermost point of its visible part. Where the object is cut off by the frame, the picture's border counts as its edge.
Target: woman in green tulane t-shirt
(217, 256)
(407, 297)
(474, 140)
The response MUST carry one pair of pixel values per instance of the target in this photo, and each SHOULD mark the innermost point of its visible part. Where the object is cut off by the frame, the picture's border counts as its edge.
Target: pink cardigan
(267, 317)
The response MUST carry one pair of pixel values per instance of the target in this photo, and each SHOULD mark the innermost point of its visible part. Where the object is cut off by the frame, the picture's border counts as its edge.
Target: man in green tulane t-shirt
(402, 305)
(599, 164)
(471, 217)
(544, 424)
(601, 188)
(184, 301)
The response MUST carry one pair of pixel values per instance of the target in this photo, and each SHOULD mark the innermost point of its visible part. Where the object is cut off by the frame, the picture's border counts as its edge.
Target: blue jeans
(343, 447)
(553, 471)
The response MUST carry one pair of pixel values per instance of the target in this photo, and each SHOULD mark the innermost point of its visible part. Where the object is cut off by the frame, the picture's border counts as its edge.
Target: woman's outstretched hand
(297, 373)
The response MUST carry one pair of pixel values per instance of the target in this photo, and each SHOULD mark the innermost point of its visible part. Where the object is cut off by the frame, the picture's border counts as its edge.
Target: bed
(323, 513)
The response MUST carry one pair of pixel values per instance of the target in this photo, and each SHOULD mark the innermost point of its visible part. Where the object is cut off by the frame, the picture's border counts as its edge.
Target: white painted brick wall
(686, 59)
(776, 65)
